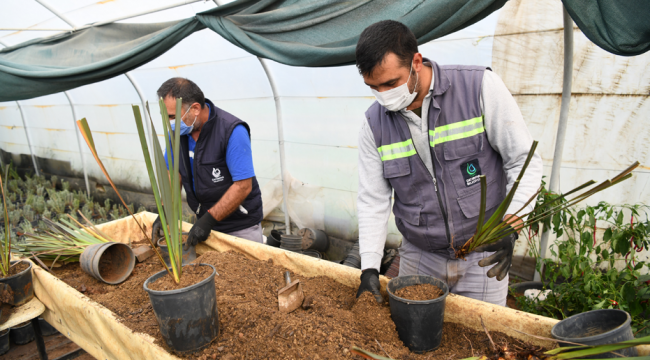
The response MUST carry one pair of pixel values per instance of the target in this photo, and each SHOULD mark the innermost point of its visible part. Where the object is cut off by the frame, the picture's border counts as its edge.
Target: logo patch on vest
(216, 175)
(471, 171)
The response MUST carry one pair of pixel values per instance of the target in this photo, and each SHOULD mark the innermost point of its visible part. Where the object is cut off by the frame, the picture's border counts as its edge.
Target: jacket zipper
(435, 187)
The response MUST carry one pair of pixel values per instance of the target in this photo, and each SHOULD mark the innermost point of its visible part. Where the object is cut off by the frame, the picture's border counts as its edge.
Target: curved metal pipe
(76, 132)
(54, 11)
(567, 81)
(145, 116)
(29, 141)
(283, 170)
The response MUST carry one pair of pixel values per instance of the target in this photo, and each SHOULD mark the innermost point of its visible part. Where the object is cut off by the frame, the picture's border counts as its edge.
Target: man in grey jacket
(432, 132)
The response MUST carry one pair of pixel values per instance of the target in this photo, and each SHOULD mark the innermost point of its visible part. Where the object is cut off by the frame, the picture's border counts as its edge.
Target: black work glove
(370, 282)
(200, 231)
(156, 229)
(502, 257)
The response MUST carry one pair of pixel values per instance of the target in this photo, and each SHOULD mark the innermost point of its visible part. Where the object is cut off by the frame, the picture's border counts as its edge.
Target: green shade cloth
(50, 65)
(325, 33)
(293, 32)
(621, 27)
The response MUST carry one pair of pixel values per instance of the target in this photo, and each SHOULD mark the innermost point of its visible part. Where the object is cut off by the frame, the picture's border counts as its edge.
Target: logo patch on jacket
(216, 175)
(471, 172)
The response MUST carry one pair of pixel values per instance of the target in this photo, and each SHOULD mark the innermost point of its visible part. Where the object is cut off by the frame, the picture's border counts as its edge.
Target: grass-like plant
(165, 184)
(65, 240)
(5, 247)
(490, 231)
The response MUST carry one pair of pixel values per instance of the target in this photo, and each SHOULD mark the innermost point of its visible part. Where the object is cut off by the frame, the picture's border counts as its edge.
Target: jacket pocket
(396, 168)
(470, 204)
(410, 214)
(463, 148)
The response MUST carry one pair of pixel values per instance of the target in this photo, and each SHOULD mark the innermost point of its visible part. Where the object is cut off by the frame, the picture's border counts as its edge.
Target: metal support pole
(1, 161)
(562, 123)
(283, 170)
(76, 132)
(59, 14)
(145, 115)
(29, 141)
(38, 335)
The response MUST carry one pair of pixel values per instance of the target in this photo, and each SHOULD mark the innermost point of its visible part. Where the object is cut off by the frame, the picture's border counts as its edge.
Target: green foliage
(582, 272)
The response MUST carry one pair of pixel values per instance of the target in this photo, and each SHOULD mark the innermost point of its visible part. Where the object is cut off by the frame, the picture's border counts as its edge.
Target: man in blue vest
(216, 166)
(429, 136)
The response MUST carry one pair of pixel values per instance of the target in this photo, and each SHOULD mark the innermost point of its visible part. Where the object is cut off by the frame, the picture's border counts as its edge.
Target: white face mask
(398, 98)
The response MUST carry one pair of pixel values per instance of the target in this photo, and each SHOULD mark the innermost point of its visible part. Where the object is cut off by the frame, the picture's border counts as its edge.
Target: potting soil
(191, 275)
(253, 328)
(420, 292)
(16, 269)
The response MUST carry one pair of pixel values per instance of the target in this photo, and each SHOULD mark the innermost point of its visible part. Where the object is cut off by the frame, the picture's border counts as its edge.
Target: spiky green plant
(53, 180)
(166, 183)
(5, 247)
(64, 240)
(14, 217)
(490, 231)
(28, 213)
(26, 227)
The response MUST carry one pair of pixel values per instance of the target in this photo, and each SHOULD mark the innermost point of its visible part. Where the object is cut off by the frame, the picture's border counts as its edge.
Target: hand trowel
(290, 297)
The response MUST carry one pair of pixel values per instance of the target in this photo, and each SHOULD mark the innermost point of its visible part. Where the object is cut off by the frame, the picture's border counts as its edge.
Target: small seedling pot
(314, 239)
(275, 239)
(597, 327)
(22, 334)
(188, 255)
(46, 328)
(21, 284)
(4, 341)
(188, 318)
(110, 262)
(418, 323)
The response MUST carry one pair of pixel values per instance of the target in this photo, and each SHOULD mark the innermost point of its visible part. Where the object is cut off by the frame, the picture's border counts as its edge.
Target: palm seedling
(65, 240)
(172, 214)
(490, 231)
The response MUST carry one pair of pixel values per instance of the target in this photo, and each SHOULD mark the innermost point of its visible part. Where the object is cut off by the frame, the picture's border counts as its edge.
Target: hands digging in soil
(370, 282)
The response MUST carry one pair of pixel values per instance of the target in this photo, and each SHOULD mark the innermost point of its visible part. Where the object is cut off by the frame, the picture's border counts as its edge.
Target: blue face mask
(185, 130)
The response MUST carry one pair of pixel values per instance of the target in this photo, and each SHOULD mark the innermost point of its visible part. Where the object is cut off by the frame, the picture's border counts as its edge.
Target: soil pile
(252, 327)
(420, 292)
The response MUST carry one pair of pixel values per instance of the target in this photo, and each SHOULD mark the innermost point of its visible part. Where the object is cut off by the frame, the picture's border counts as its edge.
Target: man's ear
(417, 62)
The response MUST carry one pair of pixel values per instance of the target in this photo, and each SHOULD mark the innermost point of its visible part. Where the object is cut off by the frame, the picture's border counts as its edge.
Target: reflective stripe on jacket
(440, 214)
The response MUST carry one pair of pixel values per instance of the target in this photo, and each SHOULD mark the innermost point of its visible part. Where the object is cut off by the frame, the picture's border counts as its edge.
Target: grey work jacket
(439, 214)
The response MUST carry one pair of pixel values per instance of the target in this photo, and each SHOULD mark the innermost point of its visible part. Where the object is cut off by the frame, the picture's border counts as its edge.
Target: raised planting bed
(116, 321)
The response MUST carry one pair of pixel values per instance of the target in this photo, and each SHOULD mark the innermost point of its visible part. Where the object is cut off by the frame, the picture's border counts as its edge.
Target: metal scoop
(290, 297)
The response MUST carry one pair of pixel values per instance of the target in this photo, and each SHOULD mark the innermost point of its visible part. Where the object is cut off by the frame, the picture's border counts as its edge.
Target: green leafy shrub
(594, 269)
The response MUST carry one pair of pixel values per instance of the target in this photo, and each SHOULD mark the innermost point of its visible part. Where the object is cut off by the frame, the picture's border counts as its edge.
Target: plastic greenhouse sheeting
(301, 33)
(100, 333)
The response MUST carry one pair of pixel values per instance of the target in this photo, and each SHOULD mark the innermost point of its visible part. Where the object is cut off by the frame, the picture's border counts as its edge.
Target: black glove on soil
(156, 229)
(200, 231)
(502, 257)
(370, 282)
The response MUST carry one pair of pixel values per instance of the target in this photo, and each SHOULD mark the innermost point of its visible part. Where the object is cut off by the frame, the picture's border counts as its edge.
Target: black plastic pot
(4, 342)
(596, 327)
(111, 262)
(314, 239)
(188, 318)
(46, 328)
(291, 242)
(275, 239)
(189, 255)
(21, 285)
(22, 334)
(418, 323)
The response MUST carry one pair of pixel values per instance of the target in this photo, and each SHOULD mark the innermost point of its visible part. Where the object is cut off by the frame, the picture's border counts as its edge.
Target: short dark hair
(178, 87)
(381, 38)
